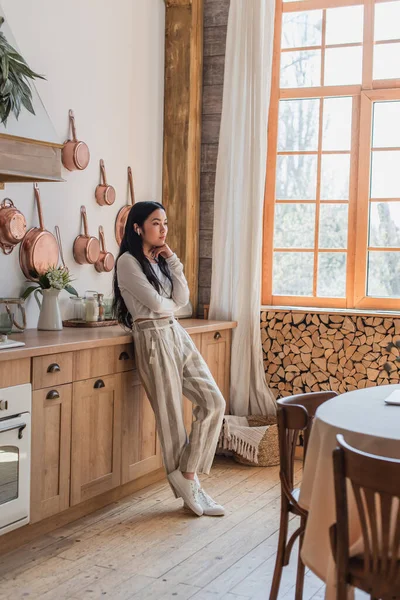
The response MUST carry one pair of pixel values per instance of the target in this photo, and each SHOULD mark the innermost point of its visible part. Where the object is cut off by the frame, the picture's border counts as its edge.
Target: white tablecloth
(366, 423)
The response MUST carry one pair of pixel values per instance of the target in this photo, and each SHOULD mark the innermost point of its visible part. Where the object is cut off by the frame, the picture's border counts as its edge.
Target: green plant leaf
(71, 290)
(15, 75)
(29, 291)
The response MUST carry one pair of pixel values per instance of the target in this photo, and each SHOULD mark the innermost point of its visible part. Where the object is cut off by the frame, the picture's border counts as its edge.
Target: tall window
(332, 202)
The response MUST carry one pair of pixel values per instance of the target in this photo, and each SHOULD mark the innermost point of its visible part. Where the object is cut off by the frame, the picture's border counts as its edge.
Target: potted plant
(49, 286)
(15, 76)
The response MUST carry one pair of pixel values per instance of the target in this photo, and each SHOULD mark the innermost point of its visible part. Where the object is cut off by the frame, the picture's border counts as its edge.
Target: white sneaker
(188, 490)
(209, 506)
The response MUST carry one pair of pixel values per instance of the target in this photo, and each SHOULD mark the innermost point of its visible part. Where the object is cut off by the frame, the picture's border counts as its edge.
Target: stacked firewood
(306, 352)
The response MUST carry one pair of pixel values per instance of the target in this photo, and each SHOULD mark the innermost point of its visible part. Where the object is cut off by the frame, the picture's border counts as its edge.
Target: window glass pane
(296, 177)
(337, 124)
(298, 125)
(331, 275)
(335, 175)
(344, 25)
(333, 226)
(293, 273)
(343, 66)
(386, 125)
(383, 278)
(294, 225)
(387, 19)
(384, 224)
(300, 69)
(301, 29)
(386, 61)
(385, 182)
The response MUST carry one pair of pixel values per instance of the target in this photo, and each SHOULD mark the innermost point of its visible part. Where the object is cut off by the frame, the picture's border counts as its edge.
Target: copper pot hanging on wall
(39, 250)
(86, 248)
(12, 226)
(75, 155)
(105, 262)
(123, 213)
(105, 194)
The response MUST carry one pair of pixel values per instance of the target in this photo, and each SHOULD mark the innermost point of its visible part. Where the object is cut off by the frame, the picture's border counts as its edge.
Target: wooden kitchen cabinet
(141, 452)
(51, 451)
(96, 437)
(216, 350)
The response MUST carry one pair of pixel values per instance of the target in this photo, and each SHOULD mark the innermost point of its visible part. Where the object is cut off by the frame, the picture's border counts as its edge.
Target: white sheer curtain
(239, 196)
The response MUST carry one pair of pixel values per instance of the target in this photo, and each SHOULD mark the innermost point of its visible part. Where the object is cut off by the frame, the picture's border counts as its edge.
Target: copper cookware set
(39, 249)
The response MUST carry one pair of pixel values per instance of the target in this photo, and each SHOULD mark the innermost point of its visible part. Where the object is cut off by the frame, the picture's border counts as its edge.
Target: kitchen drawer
(48, 371)
(15, 372)
(124, 357)
(94, 362)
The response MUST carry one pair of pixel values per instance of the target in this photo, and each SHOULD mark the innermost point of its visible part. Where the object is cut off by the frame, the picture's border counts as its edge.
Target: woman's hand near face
(164, 250)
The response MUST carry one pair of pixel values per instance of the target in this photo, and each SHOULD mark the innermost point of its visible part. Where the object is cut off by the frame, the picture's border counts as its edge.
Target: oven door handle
(19, 426)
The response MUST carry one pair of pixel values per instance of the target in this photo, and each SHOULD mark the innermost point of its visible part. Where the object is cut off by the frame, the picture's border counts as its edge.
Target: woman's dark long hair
(132, 242)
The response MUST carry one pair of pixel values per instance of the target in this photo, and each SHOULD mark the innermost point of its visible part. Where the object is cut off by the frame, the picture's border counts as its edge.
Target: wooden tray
(74, 323)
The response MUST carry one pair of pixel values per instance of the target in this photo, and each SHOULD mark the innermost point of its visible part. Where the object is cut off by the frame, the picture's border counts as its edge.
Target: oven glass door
(14, 469)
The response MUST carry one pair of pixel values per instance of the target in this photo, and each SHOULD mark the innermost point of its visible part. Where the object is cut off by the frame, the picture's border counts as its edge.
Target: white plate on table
(393, 398)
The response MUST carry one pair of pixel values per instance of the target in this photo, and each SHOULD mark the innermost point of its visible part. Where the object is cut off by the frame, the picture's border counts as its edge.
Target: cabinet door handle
(99, 384)
(217, 335)
(124, 356)
(52, 395)
(53, 368)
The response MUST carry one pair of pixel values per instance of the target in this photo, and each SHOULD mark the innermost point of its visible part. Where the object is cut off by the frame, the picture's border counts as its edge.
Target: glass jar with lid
(78, 308)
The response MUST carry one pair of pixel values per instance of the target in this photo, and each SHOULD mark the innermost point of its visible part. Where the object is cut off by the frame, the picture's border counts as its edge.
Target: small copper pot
(123, 213)
(105, 262)
(86, 248)
(12, 226)
(75, 155)
(105, 194)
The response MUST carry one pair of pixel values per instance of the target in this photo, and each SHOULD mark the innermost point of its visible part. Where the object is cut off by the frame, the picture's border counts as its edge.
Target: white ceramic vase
(50, 316)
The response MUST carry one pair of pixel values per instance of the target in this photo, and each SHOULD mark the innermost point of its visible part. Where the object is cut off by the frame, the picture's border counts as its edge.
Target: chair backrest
(295, 414)
(375, 482)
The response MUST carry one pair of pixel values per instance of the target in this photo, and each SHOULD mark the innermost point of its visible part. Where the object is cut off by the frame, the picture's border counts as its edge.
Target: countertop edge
(116, 335)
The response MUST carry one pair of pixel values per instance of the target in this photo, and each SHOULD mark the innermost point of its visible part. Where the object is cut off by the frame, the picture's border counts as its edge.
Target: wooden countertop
(40, 343)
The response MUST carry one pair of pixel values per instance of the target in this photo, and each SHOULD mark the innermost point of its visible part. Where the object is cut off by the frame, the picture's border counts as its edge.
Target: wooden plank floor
(147, 547)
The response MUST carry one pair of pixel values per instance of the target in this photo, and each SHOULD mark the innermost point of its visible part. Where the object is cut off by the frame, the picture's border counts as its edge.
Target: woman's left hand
(164, 250)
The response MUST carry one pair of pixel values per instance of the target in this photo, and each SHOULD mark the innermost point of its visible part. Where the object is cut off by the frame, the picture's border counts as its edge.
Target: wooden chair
(295, 415)
(375, 482)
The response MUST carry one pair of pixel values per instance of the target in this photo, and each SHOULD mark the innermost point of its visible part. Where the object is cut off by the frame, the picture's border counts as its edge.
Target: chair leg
(300, 565)
(280, 556)
(341, 590)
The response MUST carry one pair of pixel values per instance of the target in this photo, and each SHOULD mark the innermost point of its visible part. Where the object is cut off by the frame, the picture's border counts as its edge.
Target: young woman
(149, 286)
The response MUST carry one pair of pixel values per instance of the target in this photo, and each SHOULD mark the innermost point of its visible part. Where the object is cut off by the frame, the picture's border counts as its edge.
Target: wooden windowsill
(336, 311)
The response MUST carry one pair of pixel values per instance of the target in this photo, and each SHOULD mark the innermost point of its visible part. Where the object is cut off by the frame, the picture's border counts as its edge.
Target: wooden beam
(182, 132)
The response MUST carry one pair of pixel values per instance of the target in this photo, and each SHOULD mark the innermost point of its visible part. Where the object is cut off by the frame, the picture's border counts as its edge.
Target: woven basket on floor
(268, 450)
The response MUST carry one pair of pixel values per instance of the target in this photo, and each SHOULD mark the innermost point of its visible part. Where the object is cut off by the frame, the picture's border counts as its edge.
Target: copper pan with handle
(12, 226)
(39, 249)
(123, 213)
(105, 194)
(75, 154)
(86, 248)
(105, 262)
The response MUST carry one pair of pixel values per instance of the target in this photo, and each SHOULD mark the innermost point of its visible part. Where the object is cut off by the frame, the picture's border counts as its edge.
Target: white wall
(105, 60)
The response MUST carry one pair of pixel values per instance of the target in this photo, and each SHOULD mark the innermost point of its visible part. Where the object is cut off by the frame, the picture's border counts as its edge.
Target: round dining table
(368, 424)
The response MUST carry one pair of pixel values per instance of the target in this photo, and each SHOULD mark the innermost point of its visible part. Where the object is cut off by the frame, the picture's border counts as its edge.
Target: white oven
(15, 456)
